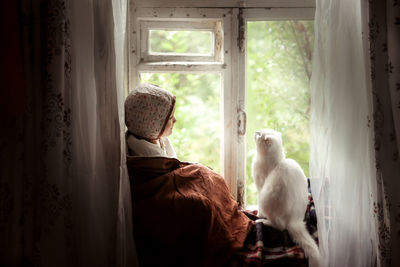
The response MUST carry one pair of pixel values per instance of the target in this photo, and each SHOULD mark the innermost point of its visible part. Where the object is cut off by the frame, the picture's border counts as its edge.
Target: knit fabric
(147, 110)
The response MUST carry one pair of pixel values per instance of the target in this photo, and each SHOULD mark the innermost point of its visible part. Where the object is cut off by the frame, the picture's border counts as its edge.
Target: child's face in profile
(170, 124)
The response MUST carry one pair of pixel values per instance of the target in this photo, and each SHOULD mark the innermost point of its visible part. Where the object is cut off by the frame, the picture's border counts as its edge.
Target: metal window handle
(242, 121)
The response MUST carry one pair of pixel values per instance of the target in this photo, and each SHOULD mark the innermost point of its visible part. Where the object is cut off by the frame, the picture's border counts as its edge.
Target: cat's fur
(282, 191)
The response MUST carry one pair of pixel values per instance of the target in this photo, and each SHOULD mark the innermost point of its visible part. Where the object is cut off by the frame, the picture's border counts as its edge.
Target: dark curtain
(60, 135)
(35, 198)
(384, 51)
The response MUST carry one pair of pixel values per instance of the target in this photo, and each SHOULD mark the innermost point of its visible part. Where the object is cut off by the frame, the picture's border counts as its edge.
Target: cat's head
(269, 142)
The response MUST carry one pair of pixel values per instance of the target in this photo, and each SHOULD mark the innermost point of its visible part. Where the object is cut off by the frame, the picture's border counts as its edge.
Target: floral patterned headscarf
(147, 111)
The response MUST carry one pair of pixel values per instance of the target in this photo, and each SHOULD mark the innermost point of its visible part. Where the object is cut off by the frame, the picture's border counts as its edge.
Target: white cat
(282, 191)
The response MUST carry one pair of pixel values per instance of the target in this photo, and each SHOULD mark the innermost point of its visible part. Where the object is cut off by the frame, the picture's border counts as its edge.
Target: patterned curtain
(36, 201)
(384, 51)
(60, 135)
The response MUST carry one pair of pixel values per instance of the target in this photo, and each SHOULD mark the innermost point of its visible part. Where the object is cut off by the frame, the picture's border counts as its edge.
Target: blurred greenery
(278, 69)
(279, 57)
(180, 42)
(197, 131)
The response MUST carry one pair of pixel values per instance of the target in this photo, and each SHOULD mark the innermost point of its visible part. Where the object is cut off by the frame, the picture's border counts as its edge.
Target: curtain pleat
(342, 155)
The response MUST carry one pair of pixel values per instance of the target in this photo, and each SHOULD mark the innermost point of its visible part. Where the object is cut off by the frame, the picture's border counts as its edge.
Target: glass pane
(197, 132)
(279, 57)
(181, 42)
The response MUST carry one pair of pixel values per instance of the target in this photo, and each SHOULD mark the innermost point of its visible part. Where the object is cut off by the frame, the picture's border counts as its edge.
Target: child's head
(148, 109)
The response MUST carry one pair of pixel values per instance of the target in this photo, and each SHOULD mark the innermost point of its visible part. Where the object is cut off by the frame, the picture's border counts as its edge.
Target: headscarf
(147, 110)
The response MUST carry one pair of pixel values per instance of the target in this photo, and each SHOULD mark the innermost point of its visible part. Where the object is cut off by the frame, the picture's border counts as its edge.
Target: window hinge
(242, 28)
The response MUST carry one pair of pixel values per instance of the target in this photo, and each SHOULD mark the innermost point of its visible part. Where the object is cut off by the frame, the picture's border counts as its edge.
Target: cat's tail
(300, 235)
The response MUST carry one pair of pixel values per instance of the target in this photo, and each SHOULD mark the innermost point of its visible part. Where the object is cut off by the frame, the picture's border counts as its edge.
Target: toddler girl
(149, 116)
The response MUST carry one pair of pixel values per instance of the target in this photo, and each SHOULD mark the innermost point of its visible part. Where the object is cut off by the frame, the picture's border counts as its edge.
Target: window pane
(279, 56)
(197, 131)
(181, 42)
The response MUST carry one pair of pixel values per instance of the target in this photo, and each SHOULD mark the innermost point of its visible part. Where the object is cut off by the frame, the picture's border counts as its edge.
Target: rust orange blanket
(183, 214)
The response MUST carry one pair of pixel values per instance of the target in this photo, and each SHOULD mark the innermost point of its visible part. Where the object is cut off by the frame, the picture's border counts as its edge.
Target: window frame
(231, 64)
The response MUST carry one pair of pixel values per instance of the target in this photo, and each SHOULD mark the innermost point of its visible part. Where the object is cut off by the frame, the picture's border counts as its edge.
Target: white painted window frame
(229, 60)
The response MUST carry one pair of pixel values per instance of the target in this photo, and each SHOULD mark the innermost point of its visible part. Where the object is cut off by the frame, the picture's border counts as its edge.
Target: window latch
(242, 121)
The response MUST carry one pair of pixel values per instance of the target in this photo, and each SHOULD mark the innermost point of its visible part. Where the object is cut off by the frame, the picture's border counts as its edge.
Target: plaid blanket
(266, 246)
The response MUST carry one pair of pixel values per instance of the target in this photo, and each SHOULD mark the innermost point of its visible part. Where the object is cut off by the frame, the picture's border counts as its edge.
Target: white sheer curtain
(126, 252)
(342, 154)
(98, 86)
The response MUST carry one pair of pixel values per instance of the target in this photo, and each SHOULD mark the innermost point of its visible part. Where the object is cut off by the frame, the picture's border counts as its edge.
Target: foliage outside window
(181, 42)
(279, 57)
(197, 131)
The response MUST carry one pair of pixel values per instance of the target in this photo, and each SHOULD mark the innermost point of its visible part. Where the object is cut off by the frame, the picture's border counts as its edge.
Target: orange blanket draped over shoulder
(183, 214)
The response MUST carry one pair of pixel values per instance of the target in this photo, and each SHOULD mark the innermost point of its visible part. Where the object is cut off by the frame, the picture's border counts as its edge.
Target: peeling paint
(229, 124)
(218, 40)
(240, 194)
(242, 29)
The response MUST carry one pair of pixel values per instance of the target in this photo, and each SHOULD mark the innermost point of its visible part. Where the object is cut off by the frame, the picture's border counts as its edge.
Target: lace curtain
(65, 197)
(384, 73)
(354, 161)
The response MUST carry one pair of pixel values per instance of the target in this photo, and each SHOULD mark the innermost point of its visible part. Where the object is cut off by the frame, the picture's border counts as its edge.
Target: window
(169, 40)
(278, 68)
(224, 64)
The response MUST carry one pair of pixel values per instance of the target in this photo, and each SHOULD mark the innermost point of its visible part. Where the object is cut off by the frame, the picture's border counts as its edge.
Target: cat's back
(290, 178)
(291, 170)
